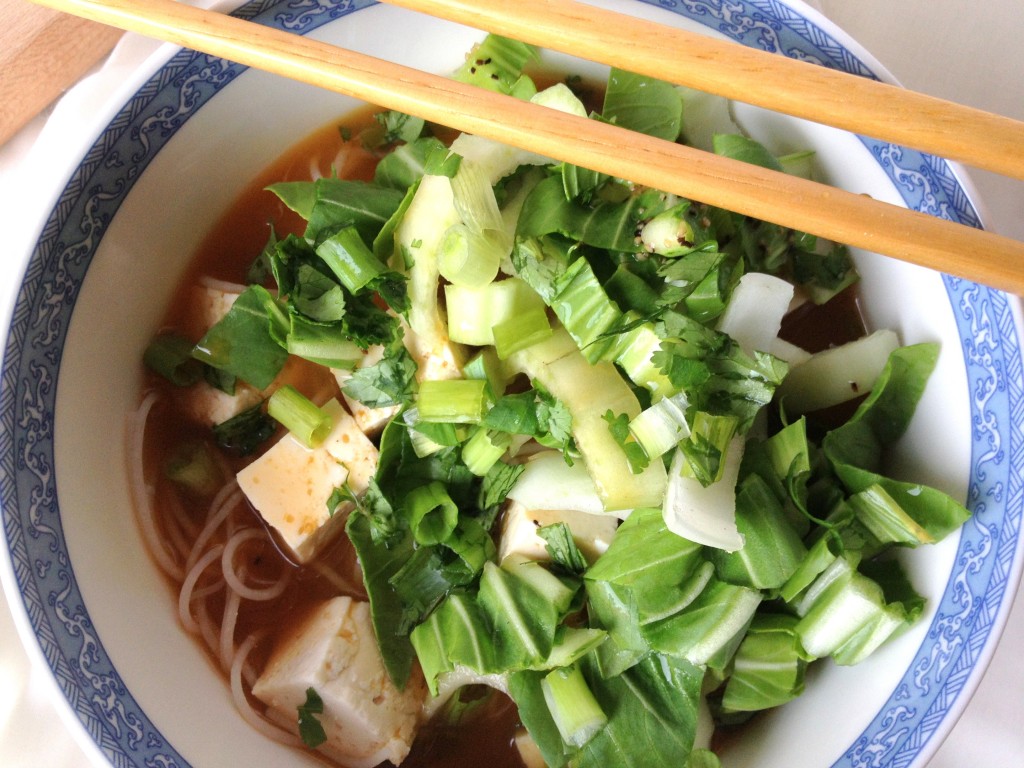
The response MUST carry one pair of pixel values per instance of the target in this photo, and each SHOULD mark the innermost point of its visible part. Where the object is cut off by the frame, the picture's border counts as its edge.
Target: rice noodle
(186, 594)
(224, 286)
(142, 492)
(245, 709)
(222, 504)
(207, 628)
(235, 580)
(227, 629)
(176, 526)
(339, 582)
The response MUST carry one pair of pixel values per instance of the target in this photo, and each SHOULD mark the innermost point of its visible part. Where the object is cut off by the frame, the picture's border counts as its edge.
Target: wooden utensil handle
(42, 53)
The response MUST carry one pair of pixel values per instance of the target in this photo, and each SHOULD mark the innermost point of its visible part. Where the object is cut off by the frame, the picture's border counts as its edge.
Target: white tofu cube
(593, 534)
(290, 484)
(366, 719)
(209, 406)
(370, 420)
(437, 359)
(208, 302)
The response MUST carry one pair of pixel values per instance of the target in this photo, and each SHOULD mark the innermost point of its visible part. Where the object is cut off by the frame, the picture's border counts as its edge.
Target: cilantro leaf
(618, 425)
(391, 381)
(562, 547)
(310, 728)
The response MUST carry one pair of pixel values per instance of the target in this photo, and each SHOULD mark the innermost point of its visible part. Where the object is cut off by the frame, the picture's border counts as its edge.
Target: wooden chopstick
(832, 213)
(799, 88)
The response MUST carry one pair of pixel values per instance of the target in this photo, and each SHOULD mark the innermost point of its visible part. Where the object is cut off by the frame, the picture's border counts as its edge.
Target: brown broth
(816, 327)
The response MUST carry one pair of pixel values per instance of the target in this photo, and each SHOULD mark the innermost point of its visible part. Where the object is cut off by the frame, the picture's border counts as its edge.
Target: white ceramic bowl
(192, 132)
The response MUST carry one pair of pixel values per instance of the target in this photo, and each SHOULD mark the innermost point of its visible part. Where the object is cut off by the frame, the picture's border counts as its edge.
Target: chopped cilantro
(310, 728)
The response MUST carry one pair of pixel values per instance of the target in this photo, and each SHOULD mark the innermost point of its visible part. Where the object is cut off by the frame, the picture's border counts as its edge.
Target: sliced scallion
(483, 449)
(474, 311)
(309, 423)
(350, 259)
(458, 401)
(468, 257)
(669, 233)
(432, 513)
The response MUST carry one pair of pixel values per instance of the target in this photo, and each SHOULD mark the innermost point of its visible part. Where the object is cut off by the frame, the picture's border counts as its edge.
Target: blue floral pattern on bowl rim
(974, 594)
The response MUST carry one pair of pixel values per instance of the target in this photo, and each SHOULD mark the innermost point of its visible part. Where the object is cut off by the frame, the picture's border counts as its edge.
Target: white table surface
(966, 52)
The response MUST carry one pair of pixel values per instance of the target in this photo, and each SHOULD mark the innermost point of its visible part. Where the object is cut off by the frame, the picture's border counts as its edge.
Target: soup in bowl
(152, 220)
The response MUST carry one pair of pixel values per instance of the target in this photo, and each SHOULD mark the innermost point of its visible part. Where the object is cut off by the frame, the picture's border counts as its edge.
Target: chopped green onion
(432, 513)
(350, 259)
(529, 328)
(483, 449)
(170, 355)
(574, 709)
(458, 401)
(309, 423)
(470, 258)
(474, 311)
(486, 365)
(669, 233)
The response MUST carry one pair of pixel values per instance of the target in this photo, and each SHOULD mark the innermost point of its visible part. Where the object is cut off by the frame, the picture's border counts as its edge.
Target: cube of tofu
(209, 301)
(290, 484)
(593, 534)
(438, 363)
(370, 420)
(437, 359)
(366, 719)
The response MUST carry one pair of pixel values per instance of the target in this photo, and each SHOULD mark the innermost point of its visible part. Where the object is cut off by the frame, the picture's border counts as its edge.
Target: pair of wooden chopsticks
(730, 69)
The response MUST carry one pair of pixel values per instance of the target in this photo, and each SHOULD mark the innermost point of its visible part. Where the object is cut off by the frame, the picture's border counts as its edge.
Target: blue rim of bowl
(969, 609)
